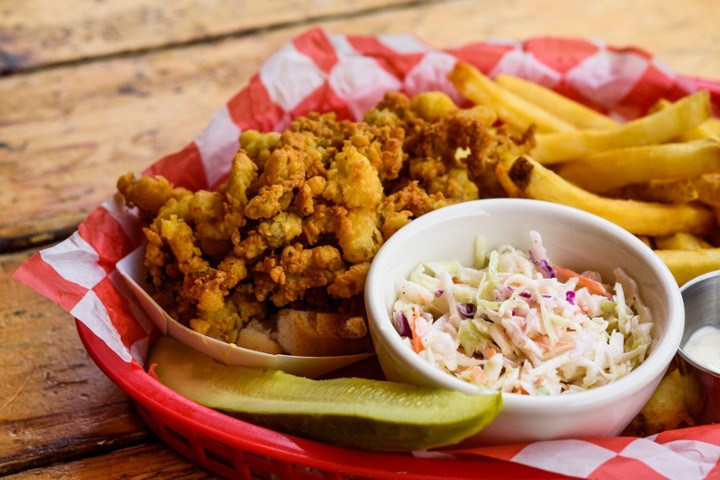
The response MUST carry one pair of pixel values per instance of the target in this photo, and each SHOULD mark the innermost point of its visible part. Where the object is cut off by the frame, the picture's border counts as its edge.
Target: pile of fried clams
(275, 259)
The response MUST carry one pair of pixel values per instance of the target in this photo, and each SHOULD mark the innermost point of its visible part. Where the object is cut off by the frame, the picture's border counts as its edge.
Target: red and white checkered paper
(318, 71)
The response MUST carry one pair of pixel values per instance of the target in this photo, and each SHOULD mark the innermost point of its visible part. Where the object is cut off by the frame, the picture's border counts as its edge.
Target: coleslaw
(515, 322)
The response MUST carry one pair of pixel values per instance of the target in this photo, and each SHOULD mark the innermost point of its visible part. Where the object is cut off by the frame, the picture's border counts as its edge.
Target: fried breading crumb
(289, 237)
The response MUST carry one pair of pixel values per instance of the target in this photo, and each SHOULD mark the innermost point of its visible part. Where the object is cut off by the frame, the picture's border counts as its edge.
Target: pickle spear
(350, 412)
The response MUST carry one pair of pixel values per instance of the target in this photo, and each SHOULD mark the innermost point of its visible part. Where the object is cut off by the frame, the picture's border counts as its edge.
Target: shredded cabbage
(515, 322)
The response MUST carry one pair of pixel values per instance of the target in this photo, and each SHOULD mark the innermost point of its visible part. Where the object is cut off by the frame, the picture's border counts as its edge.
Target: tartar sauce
(703, 346)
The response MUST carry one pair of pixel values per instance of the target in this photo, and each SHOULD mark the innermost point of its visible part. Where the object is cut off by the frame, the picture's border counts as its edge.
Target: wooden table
(93, 89)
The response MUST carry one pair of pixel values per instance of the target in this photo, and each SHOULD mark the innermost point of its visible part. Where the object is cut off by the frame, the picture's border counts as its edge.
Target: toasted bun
(256, 336)
(314, 334)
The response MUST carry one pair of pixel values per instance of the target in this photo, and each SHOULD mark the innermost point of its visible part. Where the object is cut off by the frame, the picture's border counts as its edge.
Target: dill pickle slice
(350, 412)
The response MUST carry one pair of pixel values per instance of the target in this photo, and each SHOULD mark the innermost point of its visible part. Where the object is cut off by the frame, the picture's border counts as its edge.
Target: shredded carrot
(417, 345)
(490, 352)
(477, 374)
(592, 285)
(544, 341)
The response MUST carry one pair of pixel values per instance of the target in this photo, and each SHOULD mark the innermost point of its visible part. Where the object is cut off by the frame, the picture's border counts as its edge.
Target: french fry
(525, 177)
(623, 166)
(646, 240)
(575, 113)
(510, 108)
(656, 127)
(668, 194)
(680, 241)
(688, 264)
(707, 130)
(674, 190)
(708, 187)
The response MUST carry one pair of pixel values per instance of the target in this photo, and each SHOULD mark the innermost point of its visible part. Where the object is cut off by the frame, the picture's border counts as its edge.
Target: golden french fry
(575, 113)
(646, 240)
(525, 177)
(707, 130)
(674, 190)
(680, 241)
(510, 108)
(708, 188)
(688, 264)
(623, 166)
(659, 105)
(656, 127)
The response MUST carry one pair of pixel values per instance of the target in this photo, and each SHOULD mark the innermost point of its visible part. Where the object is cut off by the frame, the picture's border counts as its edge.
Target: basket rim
(160, 400)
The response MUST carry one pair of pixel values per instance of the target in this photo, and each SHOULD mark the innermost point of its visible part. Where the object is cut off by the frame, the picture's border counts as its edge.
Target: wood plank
(45, 368)
(70, 132)
(56, 437)
(143, 461)
(67, 133)
(37, 33)
(55, 402)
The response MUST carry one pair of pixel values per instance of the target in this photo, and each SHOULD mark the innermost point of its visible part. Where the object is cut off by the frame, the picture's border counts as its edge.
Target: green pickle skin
(350, 412)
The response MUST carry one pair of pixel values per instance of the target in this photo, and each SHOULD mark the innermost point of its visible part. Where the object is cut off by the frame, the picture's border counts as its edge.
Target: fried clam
(275, 258)
(677, 402)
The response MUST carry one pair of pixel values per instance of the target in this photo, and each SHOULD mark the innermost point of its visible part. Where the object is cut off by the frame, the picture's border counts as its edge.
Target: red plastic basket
(237, 449)
(336, 72)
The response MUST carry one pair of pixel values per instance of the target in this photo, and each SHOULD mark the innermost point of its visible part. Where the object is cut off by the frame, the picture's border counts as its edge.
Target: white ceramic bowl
(573, 238)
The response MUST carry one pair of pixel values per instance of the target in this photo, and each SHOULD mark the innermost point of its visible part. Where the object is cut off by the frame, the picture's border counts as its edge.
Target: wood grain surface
(67, 130)
(38, 33)
(146, 461)
(55, 403)
(91, 89)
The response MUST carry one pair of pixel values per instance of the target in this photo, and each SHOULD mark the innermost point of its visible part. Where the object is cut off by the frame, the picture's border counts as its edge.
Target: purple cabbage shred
(570, 297)
(467, 309)
(543, 265)
(401, 324)
(438, 293)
